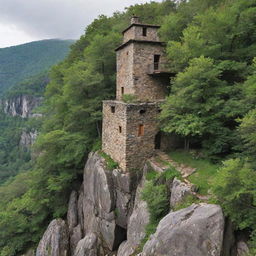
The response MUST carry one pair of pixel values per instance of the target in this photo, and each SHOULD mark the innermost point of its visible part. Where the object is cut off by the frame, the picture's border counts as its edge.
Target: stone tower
(130, 130)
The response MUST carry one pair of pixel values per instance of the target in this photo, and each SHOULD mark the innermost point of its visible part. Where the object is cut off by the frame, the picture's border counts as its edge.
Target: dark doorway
(158, 140)
(156, 61)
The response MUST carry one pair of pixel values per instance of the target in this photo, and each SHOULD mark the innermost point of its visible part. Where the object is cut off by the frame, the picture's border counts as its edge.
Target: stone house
(131, 129)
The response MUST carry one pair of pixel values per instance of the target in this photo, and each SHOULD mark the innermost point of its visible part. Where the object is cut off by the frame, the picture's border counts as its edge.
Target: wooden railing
(158, 68)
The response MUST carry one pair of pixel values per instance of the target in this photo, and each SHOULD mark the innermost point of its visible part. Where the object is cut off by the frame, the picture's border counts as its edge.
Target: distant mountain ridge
(23, 61)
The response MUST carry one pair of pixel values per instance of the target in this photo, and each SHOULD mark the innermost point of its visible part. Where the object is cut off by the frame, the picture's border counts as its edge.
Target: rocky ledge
(107, 216)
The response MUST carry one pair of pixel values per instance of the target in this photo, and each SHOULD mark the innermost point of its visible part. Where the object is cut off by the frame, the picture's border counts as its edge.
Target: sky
(24, 21)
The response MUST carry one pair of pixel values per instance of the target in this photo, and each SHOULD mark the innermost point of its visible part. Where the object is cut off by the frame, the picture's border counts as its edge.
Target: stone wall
(124, 76)
(129, 148)
(114, 142)
(133, 63)
(140, 147)
(136, 33)
(149, 88)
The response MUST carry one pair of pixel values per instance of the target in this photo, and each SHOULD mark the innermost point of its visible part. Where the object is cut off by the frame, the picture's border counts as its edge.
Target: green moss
(205, 169)
(186, 202)
(129, 98)
(110, 163)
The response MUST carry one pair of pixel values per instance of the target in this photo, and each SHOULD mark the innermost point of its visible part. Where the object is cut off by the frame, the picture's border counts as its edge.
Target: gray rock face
(80, 213)
(98, 185)
(72, 214)
(87, 246)
(55, 240)
(27, 139)
(242, 248)
(75, 237)
(122, 180)
(100, 202)
(122, 208)
(179, 190)
(22, 106)
(196, 230)
(136, 224)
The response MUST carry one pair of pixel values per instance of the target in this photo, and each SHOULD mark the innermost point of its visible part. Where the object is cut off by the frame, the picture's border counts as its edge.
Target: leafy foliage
(12, 157)
(235, 189)
(211, 46)
(71, 126)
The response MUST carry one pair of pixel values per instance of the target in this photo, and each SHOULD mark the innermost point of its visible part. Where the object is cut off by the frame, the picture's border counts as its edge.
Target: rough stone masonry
(130, 129)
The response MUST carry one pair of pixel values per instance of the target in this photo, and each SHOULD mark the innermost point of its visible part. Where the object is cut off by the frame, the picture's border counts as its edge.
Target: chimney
(135, 20)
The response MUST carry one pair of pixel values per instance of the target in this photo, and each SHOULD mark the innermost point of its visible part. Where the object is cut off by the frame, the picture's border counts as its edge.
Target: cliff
(22, 105)
(107, 216)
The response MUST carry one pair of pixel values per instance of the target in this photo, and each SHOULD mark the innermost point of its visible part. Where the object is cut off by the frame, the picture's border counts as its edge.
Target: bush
(234, 187)
(157, 199)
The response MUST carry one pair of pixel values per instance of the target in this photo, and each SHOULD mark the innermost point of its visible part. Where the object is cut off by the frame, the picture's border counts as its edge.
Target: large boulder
(196, 230)
(98, 184)
(55, 240)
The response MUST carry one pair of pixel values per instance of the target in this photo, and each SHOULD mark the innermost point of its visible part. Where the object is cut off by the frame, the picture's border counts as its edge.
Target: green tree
(196, 108)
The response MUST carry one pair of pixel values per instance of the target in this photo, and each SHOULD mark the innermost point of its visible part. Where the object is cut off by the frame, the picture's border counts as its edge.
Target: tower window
(144, 31)
(156, 61)
(122, 90)
(141, 130)
(113, 109)
(120, 129)
(142, 111)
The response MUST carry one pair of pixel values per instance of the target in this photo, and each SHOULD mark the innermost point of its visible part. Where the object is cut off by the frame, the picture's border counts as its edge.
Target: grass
(205, 169)
(110, 163)
(186, 202)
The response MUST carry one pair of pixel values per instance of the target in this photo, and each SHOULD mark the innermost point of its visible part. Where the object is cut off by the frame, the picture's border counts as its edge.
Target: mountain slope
(20, 62)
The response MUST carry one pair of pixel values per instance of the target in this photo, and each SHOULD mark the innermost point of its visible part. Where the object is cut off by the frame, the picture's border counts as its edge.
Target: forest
(18, 63)
(211, 47)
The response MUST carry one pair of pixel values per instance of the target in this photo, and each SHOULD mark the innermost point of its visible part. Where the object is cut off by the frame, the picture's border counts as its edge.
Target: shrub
(157, 200)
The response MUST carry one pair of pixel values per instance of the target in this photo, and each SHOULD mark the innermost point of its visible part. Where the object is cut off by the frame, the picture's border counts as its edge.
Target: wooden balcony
(158, 69)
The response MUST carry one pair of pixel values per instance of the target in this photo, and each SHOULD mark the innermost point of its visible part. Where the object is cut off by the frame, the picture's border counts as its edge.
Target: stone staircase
(162, 162)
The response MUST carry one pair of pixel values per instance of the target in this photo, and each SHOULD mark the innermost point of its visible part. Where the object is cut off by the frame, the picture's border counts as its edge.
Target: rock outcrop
(242, 248)
(88, 246)
(22, 106)
(100, 202)
(137, 222)
(196, 230)
(55, 240)
(27, 139)
(179, 190)
(107, 216)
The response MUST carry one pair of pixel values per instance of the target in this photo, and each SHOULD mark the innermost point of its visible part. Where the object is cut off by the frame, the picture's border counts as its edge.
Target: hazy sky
(29, 20)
